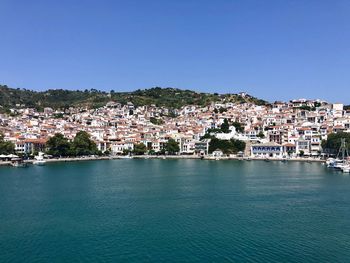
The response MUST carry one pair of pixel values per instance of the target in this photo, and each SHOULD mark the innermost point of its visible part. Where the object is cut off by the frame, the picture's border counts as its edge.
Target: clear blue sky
(276, 50)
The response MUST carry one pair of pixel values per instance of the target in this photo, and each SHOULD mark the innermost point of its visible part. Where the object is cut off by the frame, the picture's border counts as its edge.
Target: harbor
(206, 209)
(169, 157)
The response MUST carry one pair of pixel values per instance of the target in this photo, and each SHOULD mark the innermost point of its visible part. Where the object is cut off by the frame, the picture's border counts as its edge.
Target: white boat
(342, 158)
(39, 160)
(125, 157)
(334, 163)
(346, 169)
(330, 161)
(337, 164)
(341, 165)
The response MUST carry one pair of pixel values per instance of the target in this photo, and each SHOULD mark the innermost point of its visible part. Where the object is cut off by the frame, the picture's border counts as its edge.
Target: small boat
(335, 163)
(125, 157)
(39, 160)
(284, 159)
(346, 169)
(342, 158)
(329, 162)
(18, 162)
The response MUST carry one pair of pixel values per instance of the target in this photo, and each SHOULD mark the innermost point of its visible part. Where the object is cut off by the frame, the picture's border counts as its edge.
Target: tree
(238, 126)
(152, 152)
(225, 127)
(58, 115)
(207, 136)
(156, 121)
(6, 147)
(222, 110)
(237, 145)
(261, 135)
(83, 145)
(306, 108)
(172, 147)
(301, 153)
(140, 149)
(126, 152)
(226, 146)
(58, 145)
(317, 104)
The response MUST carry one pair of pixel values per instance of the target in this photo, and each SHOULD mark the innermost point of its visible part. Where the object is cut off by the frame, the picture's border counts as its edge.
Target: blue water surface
(174, 211)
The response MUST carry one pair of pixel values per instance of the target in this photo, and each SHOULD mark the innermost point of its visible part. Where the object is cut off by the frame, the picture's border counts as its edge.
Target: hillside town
(294, 128)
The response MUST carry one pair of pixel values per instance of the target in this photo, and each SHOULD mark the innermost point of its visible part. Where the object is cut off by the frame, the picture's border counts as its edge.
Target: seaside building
(202, 147)
(30, 146)
(266, 150)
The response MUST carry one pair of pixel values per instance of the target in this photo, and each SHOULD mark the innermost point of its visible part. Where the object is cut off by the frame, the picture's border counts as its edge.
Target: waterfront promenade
(171, 157)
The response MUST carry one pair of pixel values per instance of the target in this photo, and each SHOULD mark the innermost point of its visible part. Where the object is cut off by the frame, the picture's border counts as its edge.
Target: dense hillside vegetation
(168, 97)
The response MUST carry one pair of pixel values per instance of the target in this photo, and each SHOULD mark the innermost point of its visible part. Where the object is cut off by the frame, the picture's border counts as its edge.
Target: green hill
(167, 97)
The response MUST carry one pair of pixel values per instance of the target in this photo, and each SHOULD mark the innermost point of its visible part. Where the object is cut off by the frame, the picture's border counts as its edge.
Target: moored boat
(341, 161)
(18, 162)
(330, 162)
(125, 157)
(346, 169)
(284, 159)
(337, 164)
(39, 160)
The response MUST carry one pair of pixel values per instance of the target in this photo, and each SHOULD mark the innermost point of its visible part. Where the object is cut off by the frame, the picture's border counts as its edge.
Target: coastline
(171, 157)
(227, 158)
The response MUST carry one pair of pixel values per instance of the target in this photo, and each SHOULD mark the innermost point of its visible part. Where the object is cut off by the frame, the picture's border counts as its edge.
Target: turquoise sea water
(174, 211)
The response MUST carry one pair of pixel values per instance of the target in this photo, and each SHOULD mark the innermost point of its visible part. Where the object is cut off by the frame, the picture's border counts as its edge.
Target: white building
(265, 150)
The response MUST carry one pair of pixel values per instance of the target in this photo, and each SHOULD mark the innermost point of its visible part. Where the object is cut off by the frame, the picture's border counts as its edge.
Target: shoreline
(228, 158)
(169, 157)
